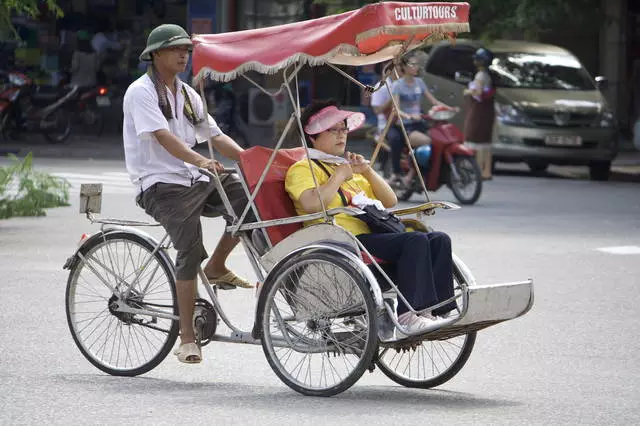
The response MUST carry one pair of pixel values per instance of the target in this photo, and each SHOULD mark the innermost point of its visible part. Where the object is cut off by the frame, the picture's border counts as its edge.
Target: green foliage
(530, 18)
(26, 192)
(28, 7)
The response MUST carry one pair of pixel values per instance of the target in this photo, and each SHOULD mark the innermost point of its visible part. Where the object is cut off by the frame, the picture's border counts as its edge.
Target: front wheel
(57, 126)
(429, 363)
(318, 324)
(467, 185)
(122, 268)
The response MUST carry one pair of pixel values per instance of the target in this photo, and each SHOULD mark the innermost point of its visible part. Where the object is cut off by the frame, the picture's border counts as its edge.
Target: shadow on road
(273, 398)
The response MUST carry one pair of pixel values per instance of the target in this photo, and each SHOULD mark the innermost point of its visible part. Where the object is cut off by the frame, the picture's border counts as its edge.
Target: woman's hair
(404, 61)
(312, 109)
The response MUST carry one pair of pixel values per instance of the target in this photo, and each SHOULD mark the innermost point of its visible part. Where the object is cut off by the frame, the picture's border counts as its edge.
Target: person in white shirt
(163, 119)
(382, 106)
(84, 63)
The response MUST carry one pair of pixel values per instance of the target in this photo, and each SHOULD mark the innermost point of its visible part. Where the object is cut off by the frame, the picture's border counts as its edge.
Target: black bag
(379, 221)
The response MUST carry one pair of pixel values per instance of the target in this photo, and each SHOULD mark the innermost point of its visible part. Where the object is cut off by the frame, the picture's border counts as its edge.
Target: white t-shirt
(147, 161)
(380, 97)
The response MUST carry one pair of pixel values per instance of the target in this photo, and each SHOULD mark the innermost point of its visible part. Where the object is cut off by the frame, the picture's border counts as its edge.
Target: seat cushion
(272, 200)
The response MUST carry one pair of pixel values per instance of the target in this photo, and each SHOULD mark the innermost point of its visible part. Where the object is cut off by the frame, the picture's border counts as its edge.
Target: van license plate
(103, 101)
(563, 140)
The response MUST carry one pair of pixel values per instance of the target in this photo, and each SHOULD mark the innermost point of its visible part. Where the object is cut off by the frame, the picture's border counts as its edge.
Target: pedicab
(320, 314)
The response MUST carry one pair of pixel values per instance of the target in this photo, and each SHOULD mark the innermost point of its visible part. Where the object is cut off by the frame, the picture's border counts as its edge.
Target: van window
(446, 61)
(540, 71)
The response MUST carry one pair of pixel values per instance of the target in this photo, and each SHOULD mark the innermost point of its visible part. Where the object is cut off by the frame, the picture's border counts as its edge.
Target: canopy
(369, 35)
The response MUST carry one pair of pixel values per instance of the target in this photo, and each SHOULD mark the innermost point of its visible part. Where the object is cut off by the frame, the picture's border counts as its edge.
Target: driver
(162, 119)
(408, 92)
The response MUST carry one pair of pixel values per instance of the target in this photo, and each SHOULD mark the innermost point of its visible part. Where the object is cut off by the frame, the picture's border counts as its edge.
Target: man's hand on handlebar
(213, 166)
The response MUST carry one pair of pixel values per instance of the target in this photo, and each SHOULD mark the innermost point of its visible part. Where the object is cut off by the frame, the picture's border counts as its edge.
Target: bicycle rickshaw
(320, 316)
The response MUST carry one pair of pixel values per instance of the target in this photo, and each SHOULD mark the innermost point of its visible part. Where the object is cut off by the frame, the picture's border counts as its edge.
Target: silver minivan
(549, 110)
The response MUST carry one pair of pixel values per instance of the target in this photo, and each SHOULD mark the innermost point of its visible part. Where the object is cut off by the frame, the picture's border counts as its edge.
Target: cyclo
(320, 316)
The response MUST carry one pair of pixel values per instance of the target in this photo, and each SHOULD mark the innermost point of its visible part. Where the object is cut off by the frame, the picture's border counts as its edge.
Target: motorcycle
(89, 108)
(24, 106)
(446, 161)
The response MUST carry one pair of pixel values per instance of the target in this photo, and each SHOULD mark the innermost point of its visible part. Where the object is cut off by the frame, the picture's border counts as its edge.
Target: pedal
(225, 286)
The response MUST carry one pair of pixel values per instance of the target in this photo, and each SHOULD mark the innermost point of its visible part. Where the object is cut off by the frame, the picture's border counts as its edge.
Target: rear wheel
(318, 324)
(537, 166)
(600, 170)
(120, 269)
(91, 120)
(467, 185)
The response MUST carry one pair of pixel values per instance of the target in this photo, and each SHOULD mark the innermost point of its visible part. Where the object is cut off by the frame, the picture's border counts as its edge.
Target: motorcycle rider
(408, 92)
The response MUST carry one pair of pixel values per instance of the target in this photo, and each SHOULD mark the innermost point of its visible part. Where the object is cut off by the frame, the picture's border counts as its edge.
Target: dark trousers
(423, 266)
(397, 142)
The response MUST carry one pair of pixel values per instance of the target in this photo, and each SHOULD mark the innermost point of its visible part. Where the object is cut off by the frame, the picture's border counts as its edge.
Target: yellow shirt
(299, 179)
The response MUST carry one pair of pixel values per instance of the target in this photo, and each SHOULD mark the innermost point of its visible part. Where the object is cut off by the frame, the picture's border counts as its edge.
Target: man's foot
(229, 281)
(414, 323)
(189, 353)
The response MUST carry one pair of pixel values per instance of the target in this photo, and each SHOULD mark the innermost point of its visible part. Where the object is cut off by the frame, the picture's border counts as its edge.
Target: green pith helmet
(163, 36)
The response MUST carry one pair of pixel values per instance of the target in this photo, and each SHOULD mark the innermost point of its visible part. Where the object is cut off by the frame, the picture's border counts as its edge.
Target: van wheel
(600, 170)
(537, 166)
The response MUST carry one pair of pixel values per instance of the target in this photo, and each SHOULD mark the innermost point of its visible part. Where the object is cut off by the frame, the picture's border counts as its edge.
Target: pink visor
(327, 117)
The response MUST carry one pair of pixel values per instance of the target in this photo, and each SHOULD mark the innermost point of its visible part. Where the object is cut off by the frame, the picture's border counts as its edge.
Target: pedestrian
(478, 123)
(84, 62)
(163, 119)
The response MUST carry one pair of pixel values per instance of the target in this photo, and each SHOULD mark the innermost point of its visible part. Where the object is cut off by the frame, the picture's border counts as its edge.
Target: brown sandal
(189, 353)
(229, 281)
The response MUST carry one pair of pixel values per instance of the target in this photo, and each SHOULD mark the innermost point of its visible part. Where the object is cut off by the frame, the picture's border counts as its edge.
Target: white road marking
(112, 182)
(620, 250)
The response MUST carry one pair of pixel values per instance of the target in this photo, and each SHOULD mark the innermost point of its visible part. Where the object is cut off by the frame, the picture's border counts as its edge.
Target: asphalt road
(574, 359)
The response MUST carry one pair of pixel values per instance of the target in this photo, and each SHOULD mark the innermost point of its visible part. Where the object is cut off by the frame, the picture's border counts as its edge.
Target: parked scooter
(445, 162)
(27, 107)
(89, 109)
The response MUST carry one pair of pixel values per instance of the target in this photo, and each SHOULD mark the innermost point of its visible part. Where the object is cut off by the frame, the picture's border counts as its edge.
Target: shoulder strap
(340, 192)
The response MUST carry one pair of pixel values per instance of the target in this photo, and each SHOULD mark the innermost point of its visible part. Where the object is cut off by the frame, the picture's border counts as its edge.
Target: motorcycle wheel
(403, 192)
(468, 188)
(92, 121)
(60, 131)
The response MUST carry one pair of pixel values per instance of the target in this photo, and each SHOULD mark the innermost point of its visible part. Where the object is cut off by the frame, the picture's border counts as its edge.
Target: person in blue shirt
(409, 92)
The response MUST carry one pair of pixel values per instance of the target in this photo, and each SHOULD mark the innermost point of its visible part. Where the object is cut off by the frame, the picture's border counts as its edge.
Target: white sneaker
(413, 323)
(429, 316)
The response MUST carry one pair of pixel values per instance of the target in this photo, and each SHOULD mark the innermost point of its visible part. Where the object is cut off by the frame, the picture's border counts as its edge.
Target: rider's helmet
(163, 36)
(483, 56)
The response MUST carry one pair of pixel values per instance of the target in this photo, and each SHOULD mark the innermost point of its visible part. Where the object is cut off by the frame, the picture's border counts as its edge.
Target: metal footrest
(488, 305)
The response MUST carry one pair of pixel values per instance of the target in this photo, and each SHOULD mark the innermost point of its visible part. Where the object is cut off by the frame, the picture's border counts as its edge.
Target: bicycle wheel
(429, 363)
(318, 324)
(118, 343)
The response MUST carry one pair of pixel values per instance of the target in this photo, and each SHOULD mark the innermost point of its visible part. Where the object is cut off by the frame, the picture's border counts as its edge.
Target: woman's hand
(344, 172)
(358, 163)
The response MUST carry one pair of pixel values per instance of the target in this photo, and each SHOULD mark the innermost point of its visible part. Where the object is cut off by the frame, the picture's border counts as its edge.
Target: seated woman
(423, 261)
